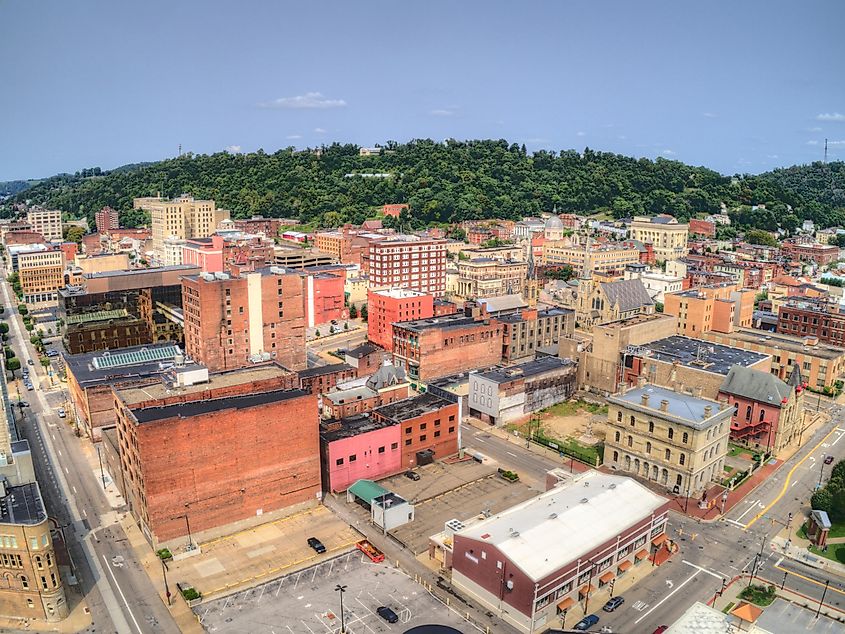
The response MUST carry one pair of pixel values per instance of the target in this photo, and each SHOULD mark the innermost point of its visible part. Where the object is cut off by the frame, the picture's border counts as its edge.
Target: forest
(454, 181)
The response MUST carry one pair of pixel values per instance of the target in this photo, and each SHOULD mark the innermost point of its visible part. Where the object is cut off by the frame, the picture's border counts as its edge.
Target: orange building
(394, 305)
(719, 307)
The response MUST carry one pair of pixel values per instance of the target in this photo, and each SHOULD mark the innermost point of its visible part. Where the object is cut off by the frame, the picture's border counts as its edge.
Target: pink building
(206, 253)
(324, 294)
(358, 447)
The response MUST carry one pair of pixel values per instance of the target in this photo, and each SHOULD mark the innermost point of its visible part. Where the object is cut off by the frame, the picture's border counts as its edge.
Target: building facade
(490, 278)
(820, 319)
(388, 306)
(47, 222)
(674, 439)
(665, 233)
(41, 274)
(106, 219)
(416, 264)
(181, 218)
(720, 307)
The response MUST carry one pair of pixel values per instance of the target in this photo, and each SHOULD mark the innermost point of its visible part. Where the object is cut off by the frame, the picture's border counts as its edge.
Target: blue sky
(737, 86)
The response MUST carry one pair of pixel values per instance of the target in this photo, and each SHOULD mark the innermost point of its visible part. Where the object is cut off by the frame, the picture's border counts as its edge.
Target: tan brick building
(720, 307)
(667, 235)
(182, 218)
(47, 222)
(232, 322)
(672, 438)
(41, 274)
(490, 278)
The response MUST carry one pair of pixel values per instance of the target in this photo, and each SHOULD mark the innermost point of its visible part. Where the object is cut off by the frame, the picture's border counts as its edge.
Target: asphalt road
(116, 588)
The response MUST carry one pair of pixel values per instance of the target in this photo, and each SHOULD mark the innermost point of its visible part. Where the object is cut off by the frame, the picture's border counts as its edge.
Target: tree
(317, 333)
(353, 312)
(4, 328)
(22, 309)
(74, 234)
(346, 325)
(13, 364)
(364, 313)
(658, 307)
(757, 236)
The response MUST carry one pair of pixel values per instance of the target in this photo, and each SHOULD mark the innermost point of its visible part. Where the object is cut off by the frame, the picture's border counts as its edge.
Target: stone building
(665, 233)
(674, 439)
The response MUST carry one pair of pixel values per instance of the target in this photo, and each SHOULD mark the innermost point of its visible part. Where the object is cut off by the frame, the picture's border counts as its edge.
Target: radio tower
(825, 150)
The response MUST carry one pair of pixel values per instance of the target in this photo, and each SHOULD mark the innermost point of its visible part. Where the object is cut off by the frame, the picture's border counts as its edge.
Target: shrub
(190, 594)
(164, 553)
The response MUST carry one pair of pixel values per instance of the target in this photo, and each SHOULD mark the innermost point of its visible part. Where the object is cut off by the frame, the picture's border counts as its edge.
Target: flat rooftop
(399, 293)
(527, 370)
(200, 408)
(701, 355)
(412, 407)
(91, 368)
(351, 426)
(446, 321)
(23, 505)
(160, 389)
(132, 272)
(685, 408)
(321, 370)
(784, 342)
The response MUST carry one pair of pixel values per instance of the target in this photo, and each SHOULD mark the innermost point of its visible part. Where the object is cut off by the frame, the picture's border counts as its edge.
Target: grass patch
(835, 552)
(571, 408)
(728, 607)
(836, 530)
(802, 532)
(727, 468)
(736, 450)
(758, 595)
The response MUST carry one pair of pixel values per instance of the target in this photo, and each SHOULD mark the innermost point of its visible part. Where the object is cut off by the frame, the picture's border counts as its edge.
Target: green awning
(367, 490)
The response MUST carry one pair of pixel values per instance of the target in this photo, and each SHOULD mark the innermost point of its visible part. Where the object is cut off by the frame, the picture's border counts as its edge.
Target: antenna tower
(825, 150)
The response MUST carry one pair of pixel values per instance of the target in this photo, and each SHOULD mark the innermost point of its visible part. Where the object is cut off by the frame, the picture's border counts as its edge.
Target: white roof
(702, 619)
(545, 533)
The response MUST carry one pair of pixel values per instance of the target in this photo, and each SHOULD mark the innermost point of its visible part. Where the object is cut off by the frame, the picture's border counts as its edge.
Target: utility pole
(821, 601)
(825, 150)
(821, 471)
(341, 589)
(102, 473)
(166, 587)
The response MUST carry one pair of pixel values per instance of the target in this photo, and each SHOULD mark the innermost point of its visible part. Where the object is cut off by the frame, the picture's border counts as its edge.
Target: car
(586, 623)
(29, 387)
(61, 412)
(413, 475)
(660, 629)
(317, 545)
(613, 603)
(52, 353)
(23, 404)
(30, 362)
(387, 614)
(828, 460)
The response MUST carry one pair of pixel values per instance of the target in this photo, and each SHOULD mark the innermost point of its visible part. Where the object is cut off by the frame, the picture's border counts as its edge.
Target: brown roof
(567, 603)
(625, 565)
(747, 612)
(642, 554)
(606, 577)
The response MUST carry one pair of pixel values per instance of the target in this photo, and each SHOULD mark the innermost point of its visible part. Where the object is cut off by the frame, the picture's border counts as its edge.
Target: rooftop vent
(553, 516)
(584, 500)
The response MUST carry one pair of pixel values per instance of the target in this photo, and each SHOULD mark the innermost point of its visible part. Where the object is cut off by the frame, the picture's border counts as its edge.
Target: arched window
(615, 456)
(668, 454)
(630, 441)
(671, 433)
(682, 459)
(762, 414)
(648, 447)
(627, 463)
(748, 413)
(650, 427)
(24, 582)
(633, 421)
(618, 435)
(686, 438)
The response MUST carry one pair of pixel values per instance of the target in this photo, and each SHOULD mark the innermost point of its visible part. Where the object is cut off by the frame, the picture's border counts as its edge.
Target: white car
(62, 412)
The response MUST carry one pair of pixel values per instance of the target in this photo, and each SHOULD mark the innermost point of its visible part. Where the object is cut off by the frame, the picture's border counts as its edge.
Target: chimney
(708, 411)
(678, 387)
(697, 391)
(641, 381)
(664, 405)
(645, 400)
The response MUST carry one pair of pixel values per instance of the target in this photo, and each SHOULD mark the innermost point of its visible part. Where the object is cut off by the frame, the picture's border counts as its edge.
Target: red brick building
(258, 224)
(217, 461)
(393, 211)
(231, 322)
(702, 227)
(387, 306)
(407, 262)
(813, 318)
(23, 237)
(428, 423)
(323, 378)
(430, 348)
(324, 294)
(106, 219)
(819, 254)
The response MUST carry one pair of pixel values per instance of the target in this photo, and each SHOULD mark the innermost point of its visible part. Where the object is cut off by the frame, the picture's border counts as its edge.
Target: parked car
(613, 603)
(317, 545)
(387, 614)
(660, 629)
(828, 460)
(413, 475)
(52, 353)
(61, 412)
(29, 387)
(30, 362)
(586, 623)
(23, 404)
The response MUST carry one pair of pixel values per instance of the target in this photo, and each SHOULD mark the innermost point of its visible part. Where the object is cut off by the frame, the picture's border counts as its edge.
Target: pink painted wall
(369, 463)
(208, 258)
(771, 414)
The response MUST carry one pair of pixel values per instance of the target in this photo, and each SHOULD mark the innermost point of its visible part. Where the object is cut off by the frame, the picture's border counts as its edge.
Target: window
(650, 427)
(24, 582)
(615, 456)
(682, 459)
(408, 442)
(423, 426)
(381, 449)
(422, 438)
(685, 438)
(408, 430)
(630, 441)
(668, 455)
(762, 414)
(394, 446)
(617, 436)
(748, 413)
(619, 416)
(437, 434)
(353, 458)
(671, 433)
(648, 447)
(451, 430)
(633, 421)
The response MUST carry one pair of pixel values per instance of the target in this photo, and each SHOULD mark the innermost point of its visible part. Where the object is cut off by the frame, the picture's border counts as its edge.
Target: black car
(317, 545)
(413, 475)
(828, 460)
(30, 362)
(23, 404)
(387, 614)
(613, 603)
(586, 623)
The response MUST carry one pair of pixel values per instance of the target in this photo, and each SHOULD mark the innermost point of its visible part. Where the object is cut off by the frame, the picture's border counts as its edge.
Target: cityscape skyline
(105, 86)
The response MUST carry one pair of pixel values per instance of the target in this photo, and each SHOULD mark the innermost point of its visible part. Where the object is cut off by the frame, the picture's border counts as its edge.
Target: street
(116, 588)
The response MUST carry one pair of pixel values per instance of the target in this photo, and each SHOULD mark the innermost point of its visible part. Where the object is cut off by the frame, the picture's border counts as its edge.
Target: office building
(41, 273)
(408, 262)
(47, 222)
(106, 219)
(181, 218)
(388, 306)
(665, 233)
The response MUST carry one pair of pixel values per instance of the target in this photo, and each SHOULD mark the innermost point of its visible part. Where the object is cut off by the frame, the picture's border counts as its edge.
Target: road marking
(709, 572)
(735, 522)
(788, 478)
(750, 508)
(510, 453)
(66, 471)
(122, 596)
(668, 596)
(639, 606)
(74, 489)
(838, 438)
(818, 583)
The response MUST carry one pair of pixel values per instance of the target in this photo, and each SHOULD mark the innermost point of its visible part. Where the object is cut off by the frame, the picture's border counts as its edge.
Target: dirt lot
(573, 419)
(306, 602)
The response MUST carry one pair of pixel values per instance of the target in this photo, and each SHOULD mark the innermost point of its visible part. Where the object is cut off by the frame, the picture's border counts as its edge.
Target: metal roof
(144, 355)
(367, 490)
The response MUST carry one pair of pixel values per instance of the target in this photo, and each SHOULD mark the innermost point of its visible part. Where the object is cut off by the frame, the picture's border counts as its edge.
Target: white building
(47, 222)
(656, 283)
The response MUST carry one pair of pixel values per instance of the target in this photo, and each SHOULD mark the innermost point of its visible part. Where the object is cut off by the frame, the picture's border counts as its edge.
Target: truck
(370, 551)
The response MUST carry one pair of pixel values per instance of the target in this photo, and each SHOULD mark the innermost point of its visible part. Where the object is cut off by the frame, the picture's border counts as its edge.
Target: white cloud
(293, 137)
(812, 142)
(233, 149)
(320, 130)
(816, 129)
(308, 101)
(442, 112)
(831, 116)
(709, 115)
(579, 133)
(772, 156)
(668, 152)
(835, 143)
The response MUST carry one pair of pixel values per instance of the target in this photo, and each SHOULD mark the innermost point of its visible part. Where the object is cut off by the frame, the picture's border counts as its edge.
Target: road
(317, 349)
(116, 587)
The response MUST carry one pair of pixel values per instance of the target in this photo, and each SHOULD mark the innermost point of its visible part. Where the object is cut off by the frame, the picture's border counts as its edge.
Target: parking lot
(785, 618)
(306, 602)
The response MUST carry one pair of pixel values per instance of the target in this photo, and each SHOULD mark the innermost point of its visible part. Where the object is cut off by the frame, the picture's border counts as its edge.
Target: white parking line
(122, 596)
(735, 522)
(280, 586)
(664, 599)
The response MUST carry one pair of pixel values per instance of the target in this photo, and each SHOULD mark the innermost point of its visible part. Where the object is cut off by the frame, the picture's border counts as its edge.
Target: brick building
(394, 210)
(324, 294)
(702, 227)
(719, 307)
(408, 262)
(358, 447)
(106, 219)
(232, 322)
(818, 254)
(527, 331)
(366, 359)
(324, 378)
(217, 461)
(383, 387)
(258, 224)
(385, 307)
(429, 427)
(820, 318)
(205, 253)
(431, 348)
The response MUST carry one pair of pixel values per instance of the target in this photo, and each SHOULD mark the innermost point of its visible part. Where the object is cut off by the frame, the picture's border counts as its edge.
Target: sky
(736, 86)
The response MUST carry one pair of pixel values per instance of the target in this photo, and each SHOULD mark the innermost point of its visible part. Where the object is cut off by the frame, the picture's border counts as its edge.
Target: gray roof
(762, 387)
(525, 370)
(821, 518)
(686, 409)
(385, 376)
(702, 355)
(628, 294)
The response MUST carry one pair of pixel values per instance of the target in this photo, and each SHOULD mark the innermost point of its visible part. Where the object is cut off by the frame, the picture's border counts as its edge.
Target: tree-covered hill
(453, 181)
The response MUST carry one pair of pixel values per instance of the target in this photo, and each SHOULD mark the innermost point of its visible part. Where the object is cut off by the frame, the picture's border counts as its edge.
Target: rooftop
(785, 342)
(362, 351)
(131, 272)
(200, 408)
(98, 367)
(702, 355)
(321, 370)
(685, 409)
(702, 619)
(526, 370)
(23, 505)
(351, 426)
(412, 407)
(446, 321)
(352, 394)
(590, 510)
(756, 385)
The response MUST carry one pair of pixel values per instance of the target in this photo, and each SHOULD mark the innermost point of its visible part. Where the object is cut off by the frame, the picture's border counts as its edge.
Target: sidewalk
(796, 548)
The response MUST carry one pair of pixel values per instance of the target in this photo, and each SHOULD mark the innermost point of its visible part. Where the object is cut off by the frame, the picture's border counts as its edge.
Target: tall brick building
(106, 219)
(431, 348)
(231, 322)
(409, 262)
(215, 461)
(813, 318)
(391, 305)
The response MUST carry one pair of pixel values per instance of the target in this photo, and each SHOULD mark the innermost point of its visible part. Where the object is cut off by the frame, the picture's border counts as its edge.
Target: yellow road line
(818, 583)
(788, 478)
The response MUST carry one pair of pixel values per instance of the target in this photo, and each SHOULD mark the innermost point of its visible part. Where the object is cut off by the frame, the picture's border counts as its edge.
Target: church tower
(531, 292)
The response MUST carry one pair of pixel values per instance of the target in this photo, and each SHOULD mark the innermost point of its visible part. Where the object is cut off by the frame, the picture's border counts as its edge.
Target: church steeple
(794, 377)
(587, 270)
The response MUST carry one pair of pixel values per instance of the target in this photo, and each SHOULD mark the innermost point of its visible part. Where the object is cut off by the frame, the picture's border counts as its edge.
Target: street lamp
(190, 545)
(341, 589)
(166, 587)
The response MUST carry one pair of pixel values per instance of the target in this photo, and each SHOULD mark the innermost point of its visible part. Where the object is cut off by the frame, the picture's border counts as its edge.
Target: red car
(660, 629)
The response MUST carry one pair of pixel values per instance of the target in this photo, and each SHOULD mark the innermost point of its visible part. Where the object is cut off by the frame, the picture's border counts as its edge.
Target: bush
(22, 309)
(758, 595)
(190, 594)
(164, 553)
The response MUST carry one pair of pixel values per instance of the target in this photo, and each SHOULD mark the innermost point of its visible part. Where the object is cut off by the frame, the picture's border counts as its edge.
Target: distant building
(205, 253)
(47, 222)
(817, 318)
(182, 218)
(526, 331)
(391, 305)
(702, 227)
(403, 262)
(258, 224)
(393, 211)
(232, 322)
(506, 394)
(602, 258)
(674, 439)
(366, 359)
(323, 378)
(490, 278)
(106, 219)
(385, 386)
(40, 271)
(668, 236)
(517, 566)
(719, 307)
(818, 254)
